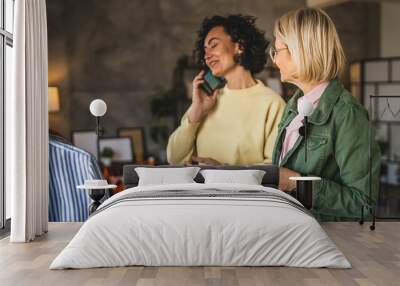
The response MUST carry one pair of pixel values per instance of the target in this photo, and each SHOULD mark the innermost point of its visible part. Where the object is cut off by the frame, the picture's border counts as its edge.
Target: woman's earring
(237, 58)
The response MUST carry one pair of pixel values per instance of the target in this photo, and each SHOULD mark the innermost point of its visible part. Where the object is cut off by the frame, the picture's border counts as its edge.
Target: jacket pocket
(315, 142)
(318, 148)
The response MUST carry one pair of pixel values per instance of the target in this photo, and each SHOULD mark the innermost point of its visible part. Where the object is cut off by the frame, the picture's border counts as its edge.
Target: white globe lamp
(98, 108)
(304, 107)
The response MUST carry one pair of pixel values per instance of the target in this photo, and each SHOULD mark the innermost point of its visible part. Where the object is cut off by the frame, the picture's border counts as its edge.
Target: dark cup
(304, 193)
(96, 195)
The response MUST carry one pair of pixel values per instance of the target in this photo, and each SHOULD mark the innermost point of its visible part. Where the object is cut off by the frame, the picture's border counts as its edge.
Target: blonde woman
(309, 54)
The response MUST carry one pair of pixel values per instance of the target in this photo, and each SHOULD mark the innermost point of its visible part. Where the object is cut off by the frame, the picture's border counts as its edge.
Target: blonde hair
(313, 42)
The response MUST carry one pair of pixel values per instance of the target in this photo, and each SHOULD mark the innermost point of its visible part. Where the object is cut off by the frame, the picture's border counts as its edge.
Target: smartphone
(211, 83)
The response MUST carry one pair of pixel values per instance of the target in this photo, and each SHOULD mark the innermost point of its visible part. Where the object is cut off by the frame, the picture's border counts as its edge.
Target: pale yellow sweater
(240, 130)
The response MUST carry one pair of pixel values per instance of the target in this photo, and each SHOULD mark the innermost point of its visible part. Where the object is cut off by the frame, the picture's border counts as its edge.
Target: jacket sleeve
(273, 118)
(351, 147)
(181, 143)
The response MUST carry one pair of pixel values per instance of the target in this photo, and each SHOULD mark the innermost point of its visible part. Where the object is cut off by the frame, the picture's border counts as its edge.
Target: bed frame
(271, 177)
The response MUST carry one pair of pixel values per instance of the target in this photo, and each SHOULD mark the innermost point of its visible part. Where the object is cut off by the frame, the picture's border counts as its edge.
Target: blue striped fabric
(69, 167)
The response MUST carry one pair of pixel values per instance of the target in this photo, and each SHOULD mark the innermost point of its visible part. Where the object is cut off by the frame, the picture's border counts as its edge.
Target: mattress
(201, 225)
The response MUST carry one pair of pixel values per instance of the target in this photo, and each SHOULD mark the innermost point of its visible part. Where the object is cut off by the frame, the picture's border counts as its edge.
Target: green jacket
(338, 146)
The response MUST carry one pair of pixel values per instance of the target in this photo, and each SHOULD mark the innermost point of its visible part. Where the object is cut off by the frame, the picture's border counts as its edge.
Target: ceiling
(326, 3)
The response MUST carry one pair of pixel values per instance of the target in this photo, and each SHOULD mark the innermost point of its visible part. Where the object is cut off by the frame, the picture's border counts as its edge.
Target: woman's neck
(239, 78)
(307, 87)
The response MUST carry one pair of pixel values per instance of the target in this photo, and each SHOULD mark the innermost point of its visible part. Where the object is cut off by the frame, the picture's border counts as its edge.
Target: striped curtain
(27, 124)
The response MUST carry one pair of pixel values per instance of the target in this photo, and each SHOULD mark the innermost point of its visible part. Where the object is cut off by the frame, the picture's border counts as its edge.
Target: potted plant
(167, 107)
(106, 156)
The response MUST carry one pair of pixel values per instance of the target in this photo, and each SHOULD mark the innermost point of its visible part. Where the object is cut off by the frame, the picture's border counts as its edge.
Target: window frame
(6, 39)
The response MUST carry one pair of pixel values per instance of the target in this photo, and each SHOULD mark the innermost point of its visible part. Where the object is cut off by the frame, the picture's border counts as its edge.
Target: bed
(197, 224)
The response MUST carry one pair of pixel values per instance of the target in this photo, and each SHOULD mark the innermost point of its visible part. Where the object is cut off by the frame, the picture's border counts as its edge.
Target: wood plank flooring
(375, 257)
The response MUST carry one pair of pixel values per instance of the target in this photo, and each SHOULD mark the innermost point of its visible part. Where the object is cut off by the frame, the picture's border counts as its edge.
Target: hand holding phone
(211, 83)
(202, 101)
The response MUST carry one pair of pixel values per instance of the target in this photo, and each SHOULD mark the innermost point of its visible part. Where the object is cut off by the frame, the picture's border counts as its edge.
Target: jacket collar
(326, 103)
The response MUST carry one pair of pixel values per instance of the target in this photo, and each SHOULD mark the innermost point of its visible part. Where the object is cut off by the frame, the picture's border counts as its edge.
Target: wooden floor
(375, 256)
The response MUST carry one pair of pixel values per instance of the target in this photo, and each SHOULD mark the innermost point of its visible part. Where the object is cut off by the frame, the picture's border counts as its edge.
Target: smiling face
(219, 51)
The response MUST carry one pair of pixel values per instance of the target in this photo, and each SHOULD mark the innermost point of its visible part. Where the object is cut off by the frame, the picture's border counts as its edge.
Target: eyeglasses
(274, 52)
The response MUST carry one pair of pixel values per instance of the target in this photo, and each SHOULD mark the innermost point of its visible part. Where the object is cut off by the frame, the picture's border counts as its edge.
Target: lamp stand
(99, 133)
(368, 205)
(305, 137)
(303, 131)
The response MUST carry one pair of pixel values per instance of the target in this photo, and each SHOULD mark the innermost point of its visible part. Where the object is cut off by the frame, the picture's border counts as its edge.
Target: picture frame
(121, 146)
(86, 140)
(138, 137)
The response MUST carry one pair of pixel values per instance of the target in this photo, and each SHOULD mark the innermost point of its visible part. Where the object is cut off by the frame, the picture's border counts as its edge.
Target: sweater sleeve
(181, 143)
(273, 117)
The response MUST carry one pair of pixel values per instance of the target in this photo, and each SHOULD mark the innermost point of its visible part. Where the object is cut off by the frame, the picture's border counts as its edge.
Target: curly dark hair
(242, 30)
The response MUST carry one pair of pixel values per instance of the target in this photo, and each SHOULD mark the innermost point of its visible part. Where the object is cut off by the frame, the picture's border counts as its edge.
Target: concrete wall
(390, 34)
(122, 50)
(324, 3)
(59, 70)
(358, 25)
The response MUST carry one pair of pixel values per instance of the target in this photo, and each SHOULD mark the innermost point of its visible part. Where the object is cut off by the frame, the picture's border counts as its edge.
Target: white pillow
(162, 176)
(248, 177)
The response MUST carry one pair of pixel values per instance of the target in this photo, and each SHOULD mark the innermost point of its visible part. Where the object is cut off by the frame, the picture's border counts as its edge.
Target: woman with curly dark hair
(238, 123)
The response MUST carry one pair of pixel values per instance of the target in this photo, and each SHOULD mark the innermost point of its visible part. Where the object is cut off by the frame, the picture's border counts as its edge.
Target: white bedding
(183, 231)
